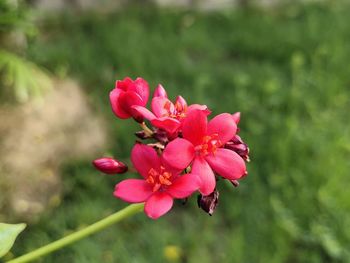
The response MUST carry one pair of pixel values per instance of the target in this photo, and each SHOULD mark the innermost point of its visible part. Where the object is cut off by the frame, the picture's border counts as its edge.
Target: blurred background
(283, 64)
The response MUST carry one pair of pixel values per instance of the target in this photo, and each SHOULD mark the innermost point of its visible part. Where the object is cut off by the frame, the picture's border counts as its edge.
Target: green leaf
(8, 235)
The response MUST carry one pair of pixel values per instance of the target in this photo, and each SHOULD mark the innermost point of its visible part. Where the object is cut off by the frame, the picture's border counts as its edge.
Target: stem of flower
(92, 229)
(147, 130)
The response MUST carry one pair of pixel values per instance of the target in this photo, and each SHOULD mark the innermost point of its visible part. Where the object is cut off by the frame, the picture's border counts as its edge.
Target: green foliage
(25, 78)
(20, 78)
(8, 235)
(286, 70)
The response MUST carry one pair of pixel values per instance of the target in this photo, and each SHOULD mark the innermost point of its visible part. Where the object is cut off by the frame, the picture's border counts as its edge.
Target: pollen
(209, 145)
(159, 179)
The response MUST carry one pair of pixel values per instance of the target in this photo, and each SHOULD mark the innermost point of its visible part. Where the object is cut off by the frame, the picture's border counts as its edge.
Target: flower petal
(162, 107)
(128, 99)
(206, 175)
(227, 163)
(140, 86)
(144, 158)
(224, 126)
(203, 108)
(158, 204)
(184, 186)
(133, 190)
(160, 92)
(116, 107)
(179, 153)
(142, 111)
(194, 127)
(166, 123)
(236, 117)
(123, 84)
(180, 104)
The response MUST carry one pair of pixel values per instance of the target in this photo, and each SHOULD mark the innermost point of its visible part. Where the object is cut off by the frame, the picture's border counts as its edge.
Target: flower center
(159, 179)
(209, 145)
(178, 111)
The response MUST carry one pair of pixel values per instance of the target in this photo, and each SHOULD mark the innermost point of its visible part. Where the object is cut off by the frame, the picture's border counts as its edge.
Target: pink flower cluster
(183, 152)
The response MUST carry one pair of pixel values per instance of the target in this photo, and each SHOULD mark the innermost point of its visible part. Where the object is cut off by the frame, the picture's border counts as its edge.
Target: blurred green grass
(287, 70)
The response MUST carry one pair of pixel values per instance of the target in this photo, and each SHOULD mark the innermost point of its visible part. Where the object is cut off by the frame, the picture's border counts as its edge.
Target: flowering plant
(181, 153)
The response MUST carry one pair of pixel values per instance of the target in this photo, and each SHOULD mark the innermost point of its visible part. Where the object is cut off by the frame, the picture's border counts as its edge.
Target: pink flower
(165, 114)
(203, 144)
(127, 93)
(108, 165)
(160, 184)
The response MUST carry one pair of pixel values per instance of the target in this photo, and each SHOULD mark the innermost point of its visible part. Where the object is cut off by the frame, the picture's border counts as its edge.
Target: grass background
(286, 69)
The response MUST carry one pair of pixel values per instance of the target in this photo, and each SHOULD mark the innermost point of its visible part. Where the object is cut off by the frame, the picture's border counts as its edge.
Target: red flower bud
(108, 165)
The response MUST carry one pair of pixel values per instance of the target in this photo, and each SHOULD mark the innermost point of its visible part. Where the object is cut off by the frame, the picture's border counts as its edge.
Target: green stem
(94, 228)
(147, 130)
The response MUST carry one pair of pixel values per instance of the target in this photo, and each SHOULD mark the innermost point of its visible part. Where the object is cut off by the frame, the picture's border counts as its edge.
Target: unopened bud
(108, 165)
(237, 145)
(209, 202)
(235, 183)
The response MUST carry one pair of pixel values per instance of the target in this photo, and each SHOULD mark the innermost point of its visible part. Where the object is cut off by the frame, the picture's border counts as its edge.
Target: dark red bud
(209, 202)
(108, 165)
(237, 145)
(161, 136)
(235, 183)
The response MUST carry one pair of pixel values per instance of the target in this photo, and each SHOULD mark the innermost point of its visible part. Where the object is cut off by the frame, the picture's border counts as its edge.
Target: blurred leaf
(8, 235)
(26, 79)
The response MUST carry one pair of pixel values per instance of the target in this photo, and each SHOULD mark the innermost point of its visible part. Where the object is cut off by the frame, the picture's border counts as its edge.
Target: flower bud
(160, 92)
(209, 202)
(237, 145)
(108, 165)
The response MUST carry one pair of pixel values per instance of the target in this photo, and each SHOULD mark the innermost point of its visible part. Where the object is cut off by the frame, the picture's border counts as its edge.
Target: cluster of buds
(178, 151)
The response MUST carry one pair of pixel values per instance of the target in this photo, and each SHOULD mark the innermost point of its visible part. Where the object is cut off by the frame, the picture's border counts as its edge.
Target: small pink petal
(224, 126)
(158, 204)
(166, 123)
(133, 190)
(194, 127)
(116, 107)
(140, 86)
(142, 111)
(160, 92)
(144, 158)
(227, 163)
(184, 186)
(206, 175)
(236, 117)
(179, 153)
(162, 107)
(203, 108)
